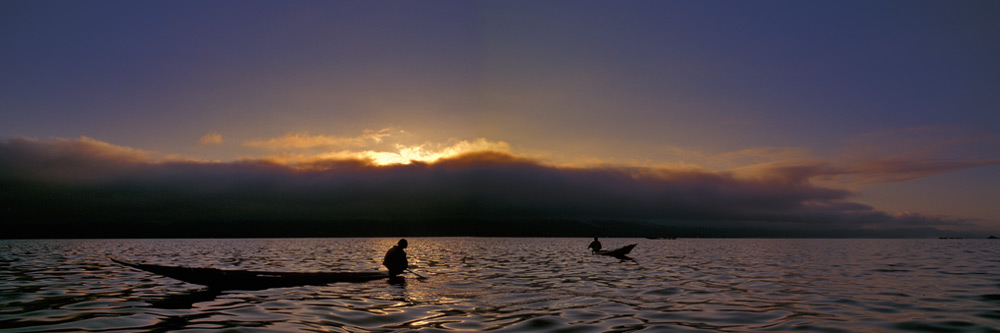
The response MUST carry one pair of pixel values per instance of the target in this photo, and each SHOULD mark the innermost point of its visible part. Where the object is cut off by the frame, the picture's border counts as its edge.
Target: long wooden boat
(619, 252)
(223, 279)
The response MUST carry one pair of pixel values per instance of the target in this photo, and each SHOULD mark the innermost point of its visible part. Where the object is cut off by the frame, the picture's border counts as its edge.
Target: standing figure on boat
(595, 245)
(395, 259)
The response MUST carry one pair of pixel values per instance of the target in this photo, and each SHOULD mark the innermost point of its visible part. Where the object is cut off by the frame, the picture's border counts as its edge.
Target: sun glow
(427, 154)
(401, 154)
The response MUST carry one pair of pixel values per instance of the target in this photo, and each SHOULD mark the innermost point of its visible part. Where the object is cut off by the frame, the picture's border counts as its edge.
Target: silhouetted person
(395, 259)
(595, 245)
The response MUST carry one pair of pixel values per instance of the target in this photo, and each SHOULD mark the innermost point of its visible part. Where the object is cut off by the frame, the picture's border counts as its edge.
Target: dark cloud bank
(75, 188)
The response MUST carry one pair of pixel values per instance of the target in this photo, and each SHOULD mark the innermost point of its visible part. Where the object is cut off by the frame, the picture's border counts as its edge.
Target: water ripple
(513, 285)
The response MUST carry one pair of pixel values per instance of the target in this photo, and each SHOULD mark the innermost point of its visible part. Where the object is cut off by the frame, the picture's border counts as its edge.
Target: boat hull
(619, 252)
(253, 280)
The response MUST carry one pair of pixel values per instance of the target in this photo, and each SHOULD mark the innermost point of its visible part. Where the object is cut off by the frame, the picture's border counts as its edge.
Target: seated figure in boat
(595, 245)
(395, 259)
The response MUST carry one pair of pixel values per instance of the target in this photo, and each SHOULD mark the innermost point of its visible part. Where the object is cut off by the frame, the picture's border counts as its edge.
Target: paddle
(420, 277)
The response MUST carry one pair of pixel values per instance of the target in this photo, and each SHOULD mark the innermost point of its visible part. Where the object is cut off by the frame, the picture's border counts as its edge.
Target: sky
(783, 115)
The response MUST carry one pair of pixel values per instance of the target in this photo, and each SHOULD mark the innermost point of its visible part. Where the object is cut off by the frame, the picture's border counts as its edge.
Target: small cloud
(211, 139)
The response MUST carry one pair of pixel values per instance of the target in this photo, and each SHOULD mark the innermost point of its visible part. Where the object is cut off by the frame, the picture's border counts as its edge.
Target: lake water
(514, 284)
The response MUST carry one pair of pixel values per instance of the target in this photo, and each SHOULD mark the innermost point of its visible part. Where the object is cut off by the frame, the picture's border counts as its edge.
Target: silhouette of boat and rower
(226, 279)
(620, 253)
(617, 253)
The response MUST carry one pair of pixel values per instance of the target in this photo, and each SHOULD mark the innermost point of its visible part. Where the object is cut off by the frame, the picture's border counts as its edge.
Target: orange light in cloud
(305, 141)
(403, 155)
(92, 147)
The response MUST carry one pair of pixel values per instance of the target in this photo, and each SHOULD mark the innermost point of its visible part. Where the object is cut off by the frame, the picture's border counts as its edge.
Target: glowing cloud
(479, 180)
(891, 156)
(303, 140)
(82, 159)
(402, 155)
(211, 139)
(53, 149)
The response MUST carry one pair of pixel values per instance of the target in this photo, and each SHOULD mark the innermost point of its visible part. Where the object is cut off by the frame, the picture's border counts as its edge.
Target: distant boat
(221, 279)
(619, 252)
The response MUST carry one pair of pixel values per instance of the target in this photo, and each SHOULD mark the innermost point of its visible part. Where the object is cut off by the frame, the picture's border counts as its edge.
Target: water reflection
(186, 300)
(513, 285)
